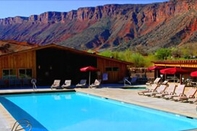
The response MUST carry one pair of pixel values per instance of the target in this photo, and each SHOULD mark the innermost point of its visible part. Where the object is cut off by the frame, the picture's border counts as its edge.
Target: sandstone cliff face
(150, 26)
(81, 14)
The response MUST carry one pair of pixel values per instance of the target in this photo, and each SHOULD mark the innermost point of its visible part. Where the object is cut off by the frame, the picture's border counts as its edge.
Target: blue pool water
(71, 111)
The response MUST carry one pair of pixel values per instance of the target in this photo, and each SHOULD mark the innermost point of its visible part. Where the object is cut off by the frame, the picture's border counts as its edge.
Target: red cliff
(109, 26)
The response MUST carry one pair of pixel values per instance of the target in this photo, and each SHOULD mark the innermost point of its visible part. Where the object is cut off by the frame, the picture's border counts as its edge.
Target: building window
(111, 69)
(115, 68)
(25, 73)
(9, 73)
(108, 69)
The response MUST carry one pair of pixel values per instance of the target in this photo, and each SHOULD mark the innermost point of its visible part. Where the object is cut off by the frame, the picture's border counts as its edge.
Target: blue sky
(12, 8)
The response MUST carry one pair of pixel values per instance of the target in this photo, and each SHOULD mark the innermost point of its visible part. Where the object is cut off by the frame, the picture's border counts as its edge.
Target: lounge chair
(192, 100)
(152, 88)
(56, 84)
(130, 82)
(187, 95)
(67, 84)
(165, 82)
(168, 91)
(156, 81)
(95, 84)
(179, 90)
(158, 90)
(82, 83)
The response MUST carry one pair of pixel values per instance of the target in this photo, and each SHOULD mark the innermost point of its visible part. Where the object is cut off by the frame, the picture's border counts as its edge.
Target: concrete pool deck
(124, 95)
(131, 96)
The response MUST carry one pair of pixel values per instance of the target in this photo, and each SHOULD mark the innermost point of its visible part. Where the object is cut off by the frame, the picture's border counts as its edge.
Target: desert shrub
(162, 53)
(138, 60)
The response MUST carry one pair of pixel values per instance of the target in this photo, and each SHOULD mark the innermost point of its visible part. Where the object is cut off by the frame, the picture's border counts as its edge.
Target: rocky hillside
(118, 27)
(14, 46)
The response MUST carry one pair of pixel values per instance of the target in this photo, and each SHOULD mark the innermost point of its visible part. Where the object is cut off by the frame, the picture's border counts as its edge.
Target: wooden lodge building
(49, 62)
(188, 65)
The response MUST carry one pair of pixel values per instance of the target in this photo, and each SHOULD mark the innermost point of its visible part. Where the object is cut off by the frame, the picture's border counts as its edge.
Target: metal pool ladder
(33, 81)
(22, 125)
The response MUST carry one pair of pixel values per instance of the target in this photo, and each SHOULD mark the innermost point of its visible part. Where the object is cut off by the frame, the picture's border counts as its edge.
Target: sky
(26, 8)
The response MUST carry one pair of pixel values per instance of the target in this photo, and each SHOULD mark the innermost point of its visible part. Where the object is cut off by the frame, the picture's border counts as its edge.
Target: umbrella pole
(89, 77)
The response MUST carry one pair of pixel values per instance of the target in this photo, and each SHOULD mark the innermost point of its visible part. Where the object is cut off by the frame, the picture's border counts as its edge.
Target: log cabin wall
(115, 71)
(16, 61)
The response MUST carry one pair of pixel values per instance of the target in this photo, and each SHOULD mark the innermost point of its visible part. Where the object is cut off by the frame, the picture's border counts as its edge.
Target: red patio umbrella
(89, 69)
(173, 71)
(193, 74)
(154, 67)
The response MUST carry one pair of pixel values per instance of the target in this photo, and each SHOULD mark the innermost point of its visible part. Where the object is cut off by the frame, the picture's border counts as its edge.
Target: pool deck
(124, 95)
(131, 96)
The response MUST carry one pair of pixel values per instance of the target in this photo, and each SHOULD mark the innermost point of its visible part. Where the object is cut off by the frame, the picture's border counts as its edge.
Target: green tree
(162, 53)
(138, 60)
(188, 51)
(176, 53)
(149, 59)
(126, 55)
(106, 53)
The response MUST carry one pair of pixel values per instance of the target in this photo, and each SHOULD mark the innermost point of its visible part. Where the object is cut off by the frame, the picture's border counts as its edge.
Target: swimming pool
(73, 111)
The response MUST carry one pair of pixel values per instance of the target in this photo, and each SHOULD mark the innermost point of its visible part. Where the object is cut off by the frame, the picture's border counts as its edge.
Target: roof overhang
(60, 47)
(177, 63)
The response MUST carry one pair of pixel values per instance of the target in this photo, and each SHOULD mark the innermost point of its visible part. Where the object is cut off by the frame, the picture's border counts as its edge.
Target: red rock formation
(149, 25)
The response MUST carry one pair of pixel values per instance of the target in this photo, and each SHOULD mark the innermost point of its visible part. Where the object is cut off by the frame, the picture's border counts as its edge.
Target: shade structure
(88, 69)
(173, 71)
(193, 74)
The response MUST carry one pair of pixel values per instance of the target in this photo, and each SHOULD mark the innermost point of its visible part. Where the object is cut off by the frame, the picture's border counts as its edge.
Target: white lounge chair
(179, 90)
(159, 89)
(187, 95)
(192, 100)
(156, 81)
(151, 88)
(56, 84)
(82, 83)
(67, 84)
(95, 84)
(169, 90)
(165, 82)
